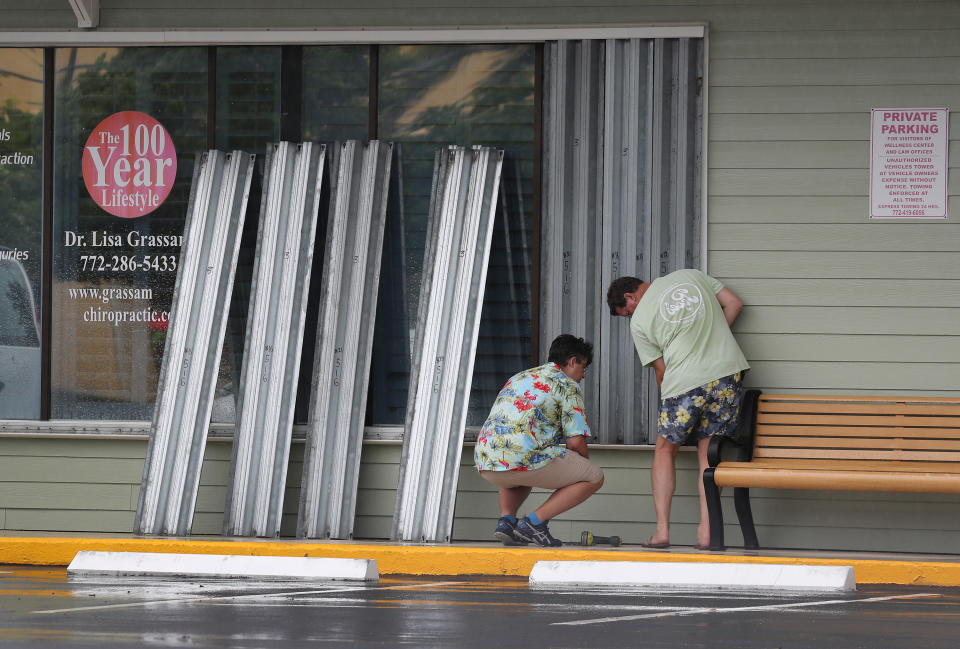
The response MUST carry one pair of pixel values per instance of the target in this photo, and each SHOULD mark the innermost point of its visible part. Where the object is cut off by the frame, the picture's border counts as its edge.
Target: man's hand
(659, 368)
(730, 303)
(578, 443)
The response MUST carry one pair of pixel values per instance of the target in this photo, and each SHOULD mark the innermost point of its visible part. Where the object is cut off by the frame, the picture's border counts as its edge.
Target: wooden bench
(834, 443)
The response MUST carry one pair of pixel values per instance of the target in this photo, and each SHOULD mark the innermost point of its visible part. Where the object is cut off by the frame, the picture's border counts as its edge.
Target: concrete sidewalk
(488, 559)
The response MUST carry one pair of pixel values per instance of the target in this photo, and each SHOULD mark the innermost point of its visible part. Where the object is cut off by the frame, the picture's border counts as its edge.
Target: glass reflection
(21, 213)
(336, 92)
(249, 87)
(432, 96)
(335, 107)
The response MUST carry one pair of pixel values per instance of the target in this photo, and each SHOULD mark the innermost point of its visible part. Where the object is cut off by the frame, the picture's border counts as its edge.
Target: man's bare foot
(655, 543)
(703, 536)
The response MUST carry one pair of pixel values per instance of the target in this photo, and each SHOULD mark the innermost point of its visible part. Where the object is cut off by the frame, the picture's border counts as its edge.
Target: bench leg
(714, 510)
(741, 499)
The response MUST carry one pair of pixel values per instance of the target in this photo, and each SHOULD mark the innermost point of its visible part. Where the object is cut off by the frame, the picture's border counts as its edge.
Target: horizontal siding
(792, 125)
(811, 100)
(935, 237)
(58, 499)
(88, 485)
(847, 72)
(802, 210)
(93, 519)
(837, 376)
(826, 181)
(905, 294)
(64, 495)
(842, 154)
(857, 348)
(827, 321)
(105, 470)
(851, 44)
(837, 265)
(728, 15)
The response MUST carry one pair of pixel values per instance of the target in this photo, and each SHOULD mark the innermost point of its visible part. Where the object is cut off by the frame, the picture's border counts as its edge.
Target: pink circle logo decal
(129, 164)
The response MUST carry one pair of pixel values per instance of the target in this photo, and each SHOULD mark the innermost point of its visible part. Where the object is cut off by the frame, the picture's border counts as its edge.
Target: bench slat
(887, 466)
(767, 441)
(858, 455)
(867, 408)
(857, 420)
(858, 431)
(742, 474)
(833, 397)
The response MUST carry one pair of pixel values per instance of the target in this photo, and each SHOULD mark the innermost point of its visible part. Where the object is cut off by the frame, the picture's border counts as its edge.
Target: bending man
(680, 325)
(536, 436)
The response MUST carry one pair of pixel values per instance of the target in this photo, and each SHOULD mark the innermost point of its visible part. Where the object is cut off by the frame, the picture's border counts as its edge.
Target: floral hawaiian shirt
(535, 412)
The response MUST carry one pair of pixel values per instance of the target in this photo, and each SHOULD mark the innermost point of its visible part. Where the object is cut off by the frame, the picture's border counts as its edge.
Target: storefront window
(121, 187)
(432, 96)
(21, 178)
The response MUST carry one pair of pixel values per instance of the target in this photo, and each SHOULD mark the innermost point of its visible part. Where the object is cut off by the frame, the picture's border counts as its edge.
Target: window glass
(336, 92)
(248, 98)
(21, 214)
(432, 96)
(115, 255)
(335, 107)
(248, 118)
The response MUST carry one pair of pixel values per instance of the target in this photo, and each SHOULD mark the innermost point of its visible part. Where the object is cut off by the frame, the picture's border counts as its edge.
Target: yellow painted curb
(453, 560)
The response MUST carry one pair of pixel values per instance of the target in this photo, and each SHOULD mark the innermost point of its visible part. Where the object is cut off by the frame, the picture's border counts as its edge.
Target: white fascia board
(103, 38)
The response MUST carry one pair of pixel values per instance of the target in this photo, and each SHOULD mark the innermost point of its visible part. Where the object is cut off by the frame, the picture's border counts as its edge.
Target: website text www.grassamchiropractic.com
(117, 316)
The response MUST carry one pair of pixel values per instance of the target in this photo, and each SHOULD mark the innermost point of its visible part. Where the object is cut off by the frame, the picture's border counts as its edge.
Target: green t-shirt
(680, 319)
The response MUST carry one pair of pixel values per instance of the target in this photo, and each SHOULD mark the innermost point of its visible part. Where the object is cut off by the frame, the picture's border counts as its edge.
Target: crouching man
(536, 436)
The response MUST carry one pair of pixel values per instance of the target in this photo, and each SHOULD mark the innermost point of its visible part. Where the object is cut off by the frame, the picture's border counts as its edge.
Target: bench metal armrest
(743, 436)
(717, 444)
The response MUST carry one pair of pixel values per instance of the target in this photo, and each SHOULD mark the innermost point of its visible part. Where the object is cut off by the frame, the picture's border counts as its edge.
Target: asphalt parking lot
(41, 607)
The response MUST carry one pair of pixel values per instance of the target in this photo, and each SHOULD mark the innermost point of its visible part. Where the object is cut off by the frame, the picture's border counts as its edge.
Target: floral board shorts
(711, 409)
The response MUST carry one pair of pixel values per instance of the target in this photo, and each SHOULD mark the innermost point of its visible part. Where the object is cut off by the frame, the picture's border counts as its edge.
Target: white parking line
(248, 596)
(768, 607)
(359, 602)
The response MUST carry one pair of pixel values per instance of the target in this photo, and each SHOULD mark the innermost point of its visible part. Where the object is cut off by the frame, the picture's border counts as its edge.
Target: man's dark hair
(618, 287)
(566, 345)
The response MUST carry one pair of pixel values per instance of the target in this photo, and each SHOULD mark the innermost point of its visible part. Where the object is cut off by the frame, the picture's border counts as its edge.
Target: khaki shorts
(558, 472)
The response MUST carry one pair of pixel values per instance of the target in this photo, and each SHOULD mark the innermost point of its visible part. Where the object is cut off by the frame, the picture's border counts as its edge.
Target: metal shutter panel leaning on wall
(293, 176)
(191, 358)
(348, 304)
(462, 208)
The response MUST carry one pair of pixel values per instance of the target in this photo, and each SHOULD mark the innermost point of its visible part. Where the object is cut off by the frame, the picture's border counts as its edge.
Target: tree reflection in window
(432, 96)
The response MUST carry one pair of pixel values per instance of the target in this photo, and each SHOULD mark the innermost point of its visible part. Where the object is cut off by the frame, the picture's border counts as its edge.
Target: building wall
(834, 302)
(88, 485)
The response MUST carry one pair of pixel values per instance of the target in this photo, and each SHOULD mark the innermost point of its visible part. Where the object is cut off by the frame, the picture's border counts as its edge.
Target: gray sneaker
(538, 534)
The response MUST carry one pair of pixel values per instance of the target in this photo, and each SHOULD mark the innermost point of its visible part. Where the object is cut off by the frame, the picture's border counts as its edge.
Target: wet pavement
(42, 607)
